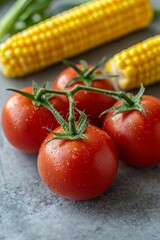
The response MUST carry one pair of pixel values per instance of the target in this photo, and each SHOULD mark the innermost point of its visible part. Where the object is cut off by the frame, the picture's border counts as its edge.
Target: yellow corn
(72, 32)
(139, 64)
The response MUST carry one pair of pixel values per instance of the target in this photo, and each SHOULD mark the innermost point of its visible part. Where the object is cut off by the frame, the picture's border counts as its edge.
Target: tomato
(78, 169)
(136, 136)
(93, 104)
(24, 123)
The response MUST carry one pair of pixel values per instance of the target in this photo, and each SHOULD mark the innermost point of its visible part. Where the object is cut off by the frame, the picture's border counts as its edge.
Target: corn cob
(139, 64)
(72, 32)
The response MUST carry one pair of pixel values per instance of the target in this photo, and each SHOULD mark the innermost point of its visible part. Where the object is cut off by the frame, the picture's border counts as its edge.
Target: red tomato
(23, 122)
(137, 137)
(93, 104)
(78, 169)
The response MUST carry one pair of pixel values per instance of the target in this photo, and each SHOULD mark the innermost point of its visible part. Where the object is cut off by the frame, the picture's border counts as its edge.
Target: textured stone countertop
(130, 210)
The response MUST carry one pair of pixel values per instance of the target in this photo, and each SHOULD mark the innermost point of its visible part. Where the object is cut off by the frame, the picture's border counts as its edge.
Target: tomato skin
(93, 104)
(23, 122)
(65, 76)
(78, 169)
(137, 137)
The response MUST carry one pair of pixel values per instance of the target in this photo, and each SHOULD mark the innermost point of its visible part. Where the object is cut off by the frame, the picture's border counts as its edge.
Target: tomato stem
(71, 118)
(118, 95)
(39, 93)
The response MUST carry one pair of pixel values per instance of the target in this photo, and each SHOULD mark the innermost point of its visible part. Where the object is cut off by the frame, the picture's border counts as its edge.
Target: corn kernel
(142, 64)
(73, 32)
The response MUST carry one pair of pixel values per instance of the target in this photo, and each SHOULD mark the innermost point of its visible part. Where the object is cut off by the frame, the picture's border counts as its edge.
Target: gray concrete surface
(130, 210)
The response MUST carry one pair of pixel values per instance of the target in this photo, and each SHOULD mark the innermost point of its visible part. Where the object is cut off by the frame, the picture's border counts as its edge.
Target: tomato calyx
(87, 74)
(129, 102)
(38, 94)
(71, 129)
(79, 128)
(41, 96)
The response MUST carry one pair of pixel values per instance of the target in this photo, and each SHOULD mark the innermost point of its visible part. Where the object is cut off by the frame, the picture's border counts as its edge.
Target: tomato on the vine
(93, 104)
(78, 169)
(24, 123)
(136, 136)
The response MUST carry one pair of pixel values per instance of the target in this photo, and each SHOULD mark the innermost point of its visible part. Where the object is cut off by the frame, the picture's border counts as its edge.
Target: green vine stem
(71, 119)
(119, 95)
(74, 130)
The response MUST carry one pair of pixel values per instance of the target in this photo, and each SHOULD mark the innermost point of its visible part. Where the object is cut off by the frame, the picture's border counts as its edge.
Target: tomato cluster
(83, 168)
